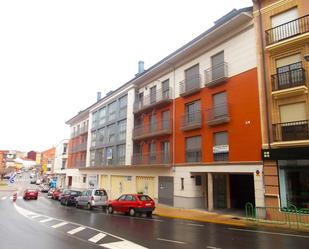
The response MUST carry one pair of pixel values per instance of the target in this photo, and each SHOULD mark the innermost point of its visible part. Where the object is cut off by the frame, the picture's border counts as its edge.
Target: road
(46, 224)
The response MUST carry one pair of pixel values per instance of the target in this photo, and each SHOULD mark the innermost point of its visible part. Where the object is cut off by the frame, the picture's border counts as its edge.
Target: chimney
(140, 67)
(98, 96)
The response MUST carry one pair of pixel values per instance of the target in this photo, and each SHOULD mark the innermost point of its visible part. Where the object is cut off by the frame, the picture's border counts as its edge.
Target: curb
(230, 223)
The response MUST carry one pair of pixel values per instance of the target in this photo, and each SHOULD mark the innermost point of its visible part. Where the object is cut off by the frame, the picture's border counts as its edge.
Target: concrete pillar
(228, 192)
(210, 192)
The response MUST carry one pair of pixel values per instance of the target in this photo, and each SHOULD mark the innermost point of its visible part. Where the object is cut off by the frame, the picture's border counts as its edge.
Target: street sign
(11, 179)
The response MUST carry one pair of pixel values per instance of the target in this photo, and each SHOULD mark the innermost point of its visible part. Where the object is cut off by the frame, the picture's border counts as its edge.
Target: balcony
(83, 130)
(287, 30)
(160, 98)
(216, 75)
(289, 79)
(191, 121)
(291, 131)
(190, 85)
(193, 155)
(152, 130)
(82, 147)
(218, 115)
(79, 164)
(151, 158)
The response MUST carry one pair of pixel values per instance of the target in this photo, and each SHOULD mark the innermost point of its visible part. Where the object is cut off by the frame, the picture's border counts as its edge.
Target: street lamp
(306, 57)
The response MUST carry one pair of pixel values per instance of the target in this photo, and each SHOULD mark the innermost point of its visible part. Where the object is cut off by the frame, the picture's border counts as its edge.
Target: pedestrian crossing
(89, 234)
(10, 197)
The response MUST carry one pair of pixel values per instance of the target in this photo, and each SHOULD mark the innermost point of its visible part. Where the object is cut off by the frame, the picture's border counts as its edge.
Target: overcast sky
(55, 55)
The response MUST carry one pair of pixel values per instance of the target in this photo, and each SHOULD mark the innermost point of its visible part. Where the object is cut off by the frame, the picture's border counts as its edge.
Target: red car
(31, 194)
(132, 204)
(57, 193)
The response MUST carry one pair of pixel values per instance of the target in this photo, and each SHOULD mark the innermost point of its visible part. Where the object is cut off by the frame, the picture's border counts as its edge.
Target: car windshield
(100, 192)
(31, 190)
(144, 198)
(75, 193)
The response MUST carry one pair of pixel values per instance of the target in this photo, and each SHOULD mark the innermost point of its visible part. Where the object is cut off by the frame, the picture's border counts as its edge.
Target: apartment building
(283, 38)
(60, 164)
(77, 149)
(48, 160)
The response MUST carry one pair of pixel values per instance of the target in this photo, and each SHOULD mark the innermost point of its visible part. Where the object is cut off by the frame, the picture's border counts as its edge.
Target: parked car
(31, 194)
(56, 193)
(132, 204)
(92, 198)
(69, 197)
(65, 191)
(50, 192)
(33, 181)
(44, 188)
(38, 181)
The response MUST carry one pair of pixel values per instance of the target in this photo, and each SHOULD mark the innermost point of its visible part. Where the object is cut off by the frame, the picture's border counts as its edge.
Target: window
(65, 148)
(192, 78)
(64, 162)
(93, 138)
(121, 152)
(92, 158)
(140, 98)
(219, 105)
(153, 94)
(198, 180)
(94, 120)
(123, 106)
(217, 65)
(165, 152)
(165, 120)
(165, 89)
(100, 137)
(122, 127)
(112, 110)
(111, 133)
(102, 116)
(153, 123)
(221, 146)
(182, 182)
(193, 112)
(193, 149)
(84, 181)
(152, 152)
(99, 157)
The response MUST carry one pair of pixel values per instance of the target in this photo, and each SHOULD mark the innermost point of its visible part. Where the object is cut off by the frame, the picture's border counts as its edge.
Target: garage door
(145, 185)
(103, 182)
(120, 185)
(166, 190)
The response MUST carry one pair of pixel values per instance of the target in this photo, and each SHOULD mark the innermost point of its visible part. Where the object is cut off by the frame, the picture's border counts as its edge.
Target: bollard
(15, 197)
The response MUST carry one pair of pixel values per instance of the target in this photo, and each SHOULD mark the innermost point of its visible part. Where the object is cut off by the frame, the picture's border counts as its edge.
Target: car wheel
(149, 214)
(89, 207)
(36, 198)
(132, 212)
(76, 205)
(110, 209)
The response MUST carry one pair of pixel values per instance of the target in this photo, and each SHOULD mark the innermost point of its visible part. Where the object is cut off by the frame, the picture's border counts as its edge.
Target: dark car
(132, 204)
(69, 197)
(31, 194)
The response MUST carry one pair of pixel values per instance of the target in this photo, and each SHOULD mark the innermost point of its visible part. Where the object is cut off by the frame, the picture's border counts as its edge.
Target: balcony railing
(160, 98)
(216, 74)
(79, 164)
(191, 121)
(194, 155)
(218, 114)
(151, 158)
(289, 79)
(284, 31)
(190, 85)
(290, 131)
(152, 130)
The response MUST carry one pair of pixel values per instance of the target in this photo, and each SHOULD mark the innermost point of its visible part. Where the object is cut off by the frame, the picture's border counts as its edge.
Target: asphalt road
(46, 224)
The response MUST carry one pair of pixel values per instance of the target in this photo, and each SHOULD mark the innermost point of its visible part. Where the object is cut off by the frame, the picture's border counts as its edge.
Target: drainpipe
(264, 74)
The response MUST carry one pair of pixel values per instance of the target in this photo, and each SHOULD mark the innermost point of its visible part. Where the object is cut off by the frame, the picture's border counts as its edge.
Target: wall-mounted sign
(220, 148)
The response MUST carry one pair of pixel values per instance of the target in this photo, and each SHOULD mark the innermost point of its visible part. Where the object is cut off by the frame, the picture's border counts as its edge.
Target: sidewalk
(199, 215)
(5, 187)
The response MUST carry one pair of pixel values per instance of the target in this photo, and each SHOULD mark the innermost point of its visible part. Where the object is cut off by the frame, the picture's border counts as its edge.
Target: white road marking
(18, 197)
(122, 245)
(59, 224)
(4, 197)
(97, 237)
(196, 225)
(35, 216)
(76, 230)
(172, 241)
(46, 220)
(212, 247)
(272, 233)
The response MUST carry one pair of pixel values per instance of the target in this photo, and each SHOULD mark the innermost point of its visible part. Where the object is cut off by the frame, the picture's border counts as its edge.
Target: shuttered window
(293, 112)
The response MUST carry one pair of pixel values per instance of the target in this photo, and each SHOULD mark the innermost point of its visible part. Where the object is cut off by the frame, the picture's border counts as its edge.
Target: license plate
(148, 204)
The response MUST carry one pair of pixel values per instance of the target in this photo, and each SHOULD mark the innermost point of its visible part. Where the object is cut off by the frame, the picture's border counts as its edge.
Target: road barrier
(290, 216)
